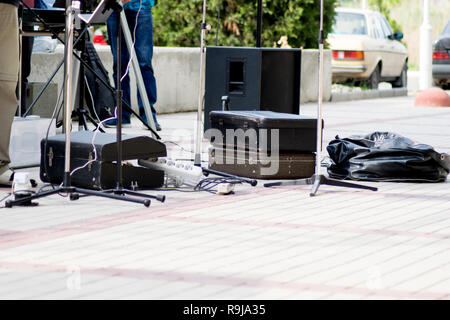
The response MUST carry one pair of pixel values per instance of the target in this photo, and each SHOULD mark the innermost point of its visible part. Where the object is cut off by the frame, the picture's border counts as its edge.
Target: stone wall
(177, 73)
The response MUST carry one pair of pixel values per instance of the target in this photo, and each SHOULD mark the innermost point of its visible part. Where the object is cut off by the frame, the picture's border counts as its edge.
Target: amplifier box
(93, 160)
(258, 165)
(245, 128)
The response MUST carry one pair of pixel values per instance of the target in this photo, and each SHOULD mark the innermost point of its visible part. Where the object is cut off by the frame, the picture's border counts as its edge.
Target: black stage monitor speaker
(101, 173)
(253, 79)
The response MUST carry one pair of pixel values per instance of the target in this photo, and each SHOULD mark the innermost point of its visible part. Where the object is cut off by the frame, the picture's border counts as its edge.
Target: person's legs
(9, 70)
(144, 50)
(112, 36)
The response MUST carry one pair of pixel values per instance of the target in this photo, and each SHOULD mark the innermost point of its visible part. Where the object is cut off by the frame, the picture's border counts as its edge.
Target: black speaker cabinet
(101, 173)
(253, 79)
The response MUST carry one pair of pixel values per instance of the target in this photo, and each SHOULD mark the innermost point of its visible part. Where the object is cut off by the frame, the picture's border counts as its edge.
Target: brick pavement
(260, 243)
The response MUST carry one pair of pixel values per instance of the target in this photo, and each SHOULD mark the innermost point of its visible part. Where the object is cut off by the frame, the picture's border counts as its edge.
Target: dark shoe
(113, 123)
(158, 127)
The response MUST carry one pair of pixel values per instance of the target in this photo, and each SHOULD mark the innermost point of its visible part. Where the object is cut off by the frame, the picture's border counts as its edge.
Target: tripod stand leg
(299, 182)
(122, 20)
(321, 179)
(145, 202)
(82, 121)
(339, 183)
(158, 197)
(11, 203)
(315, 186)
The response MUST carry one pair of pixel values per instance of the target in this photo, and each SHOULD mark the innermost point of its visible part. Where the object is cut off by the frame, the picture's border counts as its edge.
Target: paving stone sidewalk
(259, 243)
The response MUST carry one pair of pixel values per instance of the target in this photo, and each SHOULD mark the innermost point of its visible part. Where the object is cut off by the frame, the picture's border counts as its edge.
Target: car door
(375, 46)
(395, 51)
(384, 46)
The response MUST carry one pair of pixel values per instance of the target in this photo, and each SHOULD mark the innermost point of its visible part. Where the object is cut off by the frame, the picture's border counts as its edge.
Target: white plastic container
(25, 143)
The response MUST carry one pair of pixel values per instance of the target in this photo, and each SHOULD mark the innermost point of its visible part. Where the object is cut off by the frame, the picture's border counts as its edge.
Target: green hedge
(177, 22)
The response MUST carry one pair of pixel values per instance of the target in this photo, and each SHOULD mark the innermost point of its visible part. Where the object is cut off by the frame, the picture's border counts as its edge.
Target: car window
(377, 30)
(447, 28)
(386, 27)
(350, 23)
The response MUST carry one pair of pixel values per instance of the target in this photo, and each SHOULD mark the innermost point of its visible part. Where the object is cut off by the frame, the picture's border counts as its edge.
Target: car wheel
(374, 79)
(402, 81)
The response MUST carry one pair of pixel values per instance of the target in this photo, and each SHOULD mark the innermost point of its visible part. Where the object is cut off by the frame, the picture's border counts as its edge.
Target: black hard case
(296, 133)
(101, 173)
(245, 163)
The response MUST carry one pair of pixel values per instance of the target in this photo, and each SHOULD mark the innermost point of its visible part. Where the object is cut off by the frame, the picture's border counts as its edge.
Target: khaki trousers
(9, 69)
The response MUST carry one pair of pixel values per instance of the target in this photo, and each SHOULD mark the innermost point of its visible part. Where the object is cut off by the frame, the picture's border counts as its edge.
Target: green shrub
(177, 22)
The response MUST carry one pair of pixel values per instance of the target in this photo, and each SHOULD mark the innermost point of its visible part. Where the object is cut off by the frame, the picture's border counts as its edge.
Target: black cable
(208, 184)
(176, 144)
(205, 185)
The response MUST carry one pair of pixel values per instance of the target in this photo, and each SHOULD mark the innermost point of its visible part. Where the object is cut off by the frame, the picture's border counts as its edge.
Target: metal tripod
(119, 190)
(87, 66)
(318, 178)
(74, 192)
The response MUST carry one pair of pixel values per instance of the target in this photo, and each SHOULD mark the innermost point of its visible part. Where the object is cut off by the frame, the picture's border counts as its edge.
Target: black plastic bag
(386, 156)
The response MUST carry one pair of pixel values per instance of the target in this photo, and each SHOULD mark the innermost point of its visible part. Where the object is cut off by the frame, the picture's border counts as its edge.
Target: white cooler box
(26, 136)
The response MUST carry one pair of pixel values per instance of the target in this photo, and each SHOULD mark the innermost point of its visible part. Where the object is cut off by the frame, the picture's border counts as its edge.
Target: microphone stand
(318, 178)
(119, 190)
(199, 129)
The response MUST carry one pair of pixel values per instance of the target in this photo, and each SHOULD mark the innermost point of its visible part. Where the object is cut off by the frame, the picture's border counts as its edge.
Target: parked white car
(365, 48)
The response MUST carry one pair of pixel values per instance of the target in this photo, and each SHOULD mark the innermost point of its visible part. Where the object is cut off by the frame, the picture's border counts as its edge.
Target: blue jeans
(143, 47)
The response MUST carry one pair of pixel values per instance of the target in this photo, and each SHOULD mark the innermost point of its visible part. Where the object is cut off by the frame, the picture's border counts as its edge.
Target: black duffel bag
(386, 156)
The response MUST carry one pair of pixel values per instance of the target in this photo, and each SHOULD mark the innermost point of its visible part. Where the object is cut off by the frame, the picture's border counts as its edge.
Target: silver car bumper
(348, 69)
(441, 71)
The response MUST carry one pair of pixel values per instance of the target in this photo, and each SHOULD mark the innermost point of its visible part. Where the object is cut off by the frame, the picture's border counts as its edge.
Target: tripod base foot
(318, 180)
(315, 187)
(123, 192)
(26, 203)
(74, 194)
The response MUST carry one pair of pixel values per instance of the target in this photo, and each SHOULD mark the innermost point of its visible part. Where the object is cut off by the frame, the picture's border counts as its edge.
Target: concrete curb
(368, 94)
